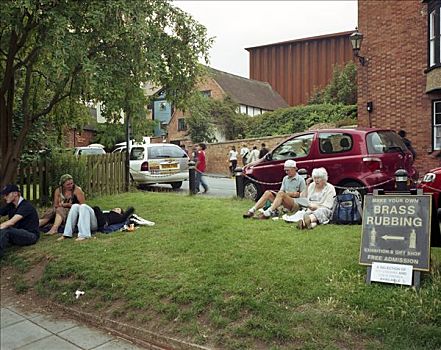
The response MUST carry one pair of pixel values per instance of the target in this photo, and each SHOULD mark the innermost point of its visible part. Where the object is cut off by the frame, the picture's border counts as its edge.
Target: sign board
(392, 273)
(396, 230)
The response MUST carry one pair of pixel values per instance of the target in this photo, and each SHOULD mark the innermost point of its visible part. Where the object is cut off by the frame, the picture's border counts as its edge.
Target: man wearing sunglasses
(292, 185)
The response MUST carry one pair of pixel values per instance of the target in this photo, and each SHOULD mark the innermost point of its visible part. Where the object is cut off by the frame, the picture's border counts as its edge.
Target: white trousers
(83, 216)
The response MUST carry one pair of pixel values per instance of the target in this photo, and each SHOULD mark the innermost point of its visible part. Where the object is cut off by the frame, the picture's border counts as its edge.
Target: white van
(152, 163)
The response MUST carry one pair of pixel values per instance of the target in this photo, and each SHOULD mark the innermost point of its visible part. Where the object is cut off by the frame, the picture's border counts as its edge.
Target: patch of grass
(204, 273)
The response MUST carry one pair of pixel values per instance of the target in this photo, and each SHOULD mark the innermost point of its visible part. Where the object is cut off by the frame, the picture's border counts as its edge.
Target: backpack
(347, 209)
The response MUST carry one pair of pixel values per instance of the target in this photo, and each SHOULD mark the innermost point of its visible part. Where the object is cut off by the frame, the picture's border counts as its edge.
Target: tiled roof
(248, 92)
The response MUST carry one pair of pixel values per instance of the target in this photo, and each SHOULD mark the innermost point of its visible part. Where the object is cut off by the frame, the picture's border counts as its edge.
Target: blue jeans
(200, 181)
(16, 236)
(83, 216)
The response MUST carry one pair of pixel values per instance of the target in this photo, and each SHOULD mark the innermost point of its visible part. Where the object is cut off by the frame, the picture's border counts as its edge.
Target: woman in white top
(233, 159)
(320, 195)
(254, 155)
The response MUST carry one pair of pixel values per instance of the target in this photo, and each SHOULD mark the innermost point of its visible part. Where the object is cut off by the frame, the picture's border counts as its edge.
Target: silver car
(154, 163)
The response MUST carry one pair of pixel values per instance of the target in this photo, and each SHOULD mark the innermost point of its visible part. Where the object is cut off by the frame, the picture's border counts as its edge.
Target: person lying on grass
(292, 185)
(320, 194)
(90, 219)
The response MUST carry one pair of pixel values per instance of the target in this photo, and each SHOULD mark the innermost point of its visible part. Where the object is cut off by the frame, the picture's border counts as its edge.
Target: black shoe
(248, 214)
(128, 213)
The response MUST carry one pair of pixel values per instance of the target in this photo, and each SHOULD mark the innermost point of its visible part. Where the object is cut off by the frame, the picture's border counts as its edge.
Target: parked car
(364, 158)
(88, 150)
(152, 163)
(431, 184)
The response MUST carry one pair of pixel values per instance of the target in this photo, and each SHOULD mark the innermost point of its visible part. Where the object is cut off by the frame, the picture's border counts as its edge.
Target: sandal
(307, 221)
(79, 239)
(301, 225)
(62, 238)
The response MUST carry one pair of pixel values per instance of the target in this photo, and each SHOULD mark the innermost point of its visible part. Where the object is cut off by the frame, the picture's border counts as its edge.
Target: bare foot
(79, 239)
(62, 238)
(52, 231)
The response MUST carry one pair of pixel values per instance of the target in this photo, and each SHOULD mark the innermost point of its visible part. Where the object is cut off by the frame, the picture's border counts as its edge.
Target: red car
(365, 158)
(431, 184)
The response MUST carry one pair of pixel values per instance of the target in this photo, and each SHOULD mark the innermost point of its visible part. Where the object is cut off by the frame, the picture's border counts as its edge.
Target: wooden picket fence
(105, 175)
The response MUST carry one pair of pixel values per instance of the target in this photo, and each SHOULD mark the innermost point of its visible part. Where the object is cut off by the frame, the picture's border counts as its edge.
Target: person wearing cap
(320, 194)
(21, 228)
(65, 196)
(292, 185)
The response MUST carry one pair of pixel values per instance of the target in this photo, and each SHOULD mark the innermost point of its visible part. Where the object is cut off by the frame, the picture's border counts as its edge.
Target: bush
(298, 118)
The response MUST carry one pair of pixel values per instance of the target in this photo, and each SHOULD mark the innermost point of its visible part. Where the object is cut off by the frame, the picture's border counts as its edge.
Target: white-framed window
(434, 45)
(436, 125)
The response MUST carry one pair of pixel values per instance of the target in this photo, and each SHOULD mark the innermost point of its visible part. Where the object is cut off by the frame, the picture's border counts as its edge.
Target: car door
(299, 148)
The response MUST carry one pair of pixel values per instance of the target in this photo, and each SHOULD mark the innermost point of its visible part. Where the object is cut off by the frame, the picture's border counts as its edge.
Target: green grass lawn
(204, 274)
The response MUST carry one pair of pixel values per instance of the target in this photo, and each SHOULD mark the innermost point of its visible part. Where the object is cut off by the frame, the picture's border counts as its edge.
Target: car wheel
(252, 191)
(176, 185)
(358, 192)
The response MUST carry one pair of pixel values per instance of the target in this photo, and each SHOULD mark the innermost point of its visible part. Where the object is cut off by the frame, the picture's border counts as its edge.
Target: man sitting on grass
(292, 185)
(22, 226)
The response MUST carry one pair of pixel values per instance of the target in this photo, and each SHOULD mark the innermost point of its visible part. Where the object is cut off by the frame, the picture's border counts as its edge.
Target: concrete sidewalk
(25, 331)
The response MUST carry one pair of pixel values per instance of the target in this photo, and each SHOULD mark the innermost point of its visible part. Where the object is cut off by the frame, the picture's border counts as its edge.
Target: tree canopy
(56, 55)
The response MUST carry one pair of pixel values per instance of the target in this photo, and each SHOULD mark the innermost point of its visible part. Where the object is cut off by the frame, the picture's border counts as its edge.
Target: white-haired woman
(320, 195)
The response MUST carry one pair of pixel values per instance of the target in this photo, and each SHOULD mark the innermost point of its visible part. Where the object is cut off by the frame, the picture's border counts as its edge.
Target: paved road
(218, 186)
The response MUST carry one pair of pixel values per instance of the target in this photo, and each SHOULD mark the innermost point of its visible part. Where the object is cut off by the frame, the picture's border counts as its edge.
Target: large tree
(55, 55)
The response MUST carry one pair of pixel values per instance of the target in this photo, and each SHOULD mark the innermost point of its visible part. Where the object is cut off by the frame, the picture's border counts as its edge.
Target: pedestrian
(263, 151)
(244, 153)
(201, 166)
(21, 228)
(254, 155)
(407, 143)
(232, 157)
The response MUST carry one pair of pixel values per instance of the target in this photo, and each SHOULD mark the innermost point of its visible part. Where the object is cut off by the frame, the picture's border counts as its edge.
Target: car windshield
(385, 142)
(165, 151)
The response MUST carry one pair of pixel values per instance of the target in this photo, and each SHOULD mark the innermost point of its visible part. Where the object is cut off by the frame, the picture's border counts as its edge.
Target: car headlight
(429, 177)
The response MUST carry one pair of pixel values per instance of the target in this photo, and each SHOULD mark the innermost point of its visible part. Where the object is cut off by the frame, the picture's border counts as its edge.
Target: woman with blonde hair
(320, 194)
(65, 196)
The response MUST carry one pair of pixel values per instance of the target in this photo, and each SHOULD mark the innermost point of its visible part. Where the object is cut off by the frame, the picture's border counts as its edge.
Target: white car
(153, 163)
(88, 150)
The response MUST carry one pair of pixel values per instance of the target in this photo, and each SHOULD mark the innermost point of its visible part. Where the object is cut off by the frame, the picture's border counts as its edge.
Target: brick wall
(217, 153)
(79, 139)
(394, 78)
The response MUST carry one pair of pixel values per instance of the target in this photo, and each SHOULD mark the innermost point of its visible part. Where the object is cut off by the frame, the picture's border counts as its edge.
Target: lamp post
(356, 39)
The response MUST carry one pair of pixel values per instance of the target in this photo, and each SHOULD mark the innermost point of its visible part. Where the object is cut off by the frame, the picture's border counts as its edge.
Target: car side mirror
(268, 156)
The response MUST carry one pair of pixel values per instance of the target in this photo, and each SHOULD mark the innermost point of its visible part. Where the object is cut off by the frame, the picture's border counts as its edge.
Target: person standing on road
(407, 142)
(21, 228)
(263, 151)
(201, 166)
(254, 155)
(244, 153)
(232, 156)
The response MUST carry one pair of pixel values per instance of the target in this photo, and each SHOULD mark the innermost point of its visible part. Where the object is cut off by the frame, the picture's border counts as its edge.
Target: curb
(139, 336)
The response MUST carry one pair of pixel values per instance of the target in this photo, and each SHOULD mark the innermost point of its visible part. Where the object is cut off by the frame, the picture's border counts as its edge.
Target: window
(437, 125)
(434, 33)
(206, 93)
(296, 147)
(182, 126)
(335, 142)
(385, 142)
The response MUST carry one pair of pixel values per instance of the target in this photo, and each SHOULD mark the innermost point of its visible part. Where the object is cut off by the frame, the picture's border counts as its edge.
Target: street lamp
(356, 39)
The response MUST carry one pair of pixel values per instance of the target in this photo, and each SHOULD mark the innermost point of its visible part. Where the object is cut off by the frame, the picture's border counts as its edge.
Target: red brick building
(401, 77)
(253, 97)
